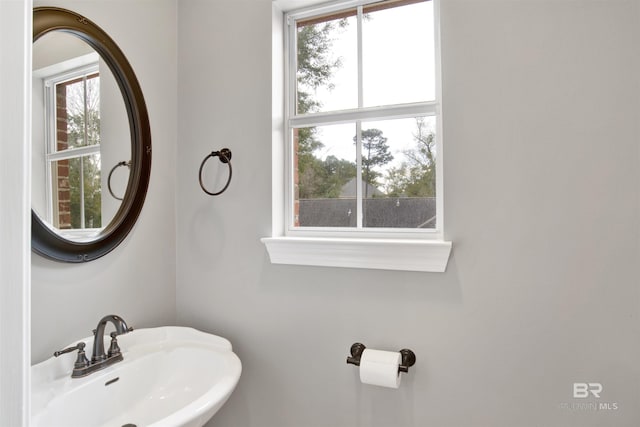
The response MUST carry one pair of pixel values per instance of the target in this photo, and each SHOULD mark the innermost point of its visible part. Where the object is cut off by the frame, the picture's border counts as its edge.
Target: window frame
(356, 116)
(372, 248)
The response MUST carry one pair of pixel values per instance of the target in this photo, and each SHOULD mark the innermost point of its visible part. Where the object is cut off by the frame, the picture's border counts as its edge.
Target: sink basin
(170, 376)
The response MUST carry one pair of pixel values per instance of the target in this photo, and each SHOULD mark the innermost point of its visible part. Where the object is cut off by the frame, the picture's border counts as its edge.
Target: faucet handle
(81, 360)
(79, 367)
(114, 348)
(80, 346)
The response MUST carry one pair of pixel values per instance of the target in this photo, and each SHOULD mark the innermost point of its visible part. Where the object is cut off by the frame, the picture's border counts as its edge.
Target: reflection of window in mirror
(66, 148)
(80, 125)
(72, 148)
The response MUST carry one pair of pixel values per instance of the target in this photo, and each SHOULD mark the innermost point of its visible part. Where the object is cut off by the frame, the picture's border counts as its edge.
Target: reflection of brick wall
(296, 181)
(61, 184)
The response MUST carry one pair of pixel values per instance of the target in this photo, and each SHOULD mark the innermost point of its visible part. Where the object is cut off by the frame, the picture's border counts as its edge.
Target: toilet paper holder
(408, 357)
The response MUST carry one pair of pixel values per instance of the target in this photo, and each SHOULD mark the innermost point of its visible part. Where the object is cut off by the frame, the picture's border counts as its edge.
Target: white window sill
(383, 254)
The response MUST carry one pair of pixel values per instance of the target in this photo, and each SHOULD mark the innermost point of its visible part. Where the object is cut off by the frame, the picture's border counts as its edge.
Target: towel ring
(122, 163)
(225, 157)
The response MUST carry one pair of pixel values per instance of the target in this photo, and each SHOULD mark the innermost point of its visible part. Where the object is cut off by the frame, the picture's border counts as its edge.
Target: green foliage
(417, 176)
(83, 129)
(92, 191)
(76, 128)
(325, 178)
(315, 63)
(317, 178)
(375, 152)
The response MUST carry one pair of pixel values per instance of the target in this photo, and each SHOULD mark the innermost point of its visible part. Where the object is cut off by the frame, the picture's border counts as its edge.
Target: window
(363, 136)
(72, 149)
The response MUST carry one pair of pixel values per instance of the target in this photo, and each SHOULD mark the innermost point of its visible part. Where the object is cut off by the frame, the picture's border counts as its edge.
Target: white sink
(170, 376)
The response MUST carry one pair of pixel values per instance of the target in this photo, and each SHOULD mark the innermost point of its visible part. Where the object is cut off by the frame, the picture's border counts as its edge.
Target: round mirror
(91, 141)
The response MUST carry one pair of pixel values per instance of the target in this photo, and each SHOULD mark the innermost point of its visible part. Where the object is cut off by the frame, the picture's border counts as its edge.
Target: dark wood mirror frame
(44, 240)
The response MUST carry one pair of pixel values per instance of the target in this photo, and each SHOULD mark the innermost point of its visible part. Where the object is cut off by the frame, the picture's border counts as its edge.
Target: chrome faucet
(99, 360)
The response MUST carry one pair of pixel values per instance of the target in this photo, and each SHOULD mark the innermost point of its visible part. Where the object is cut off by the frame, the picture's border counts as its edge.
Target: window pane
(324, 176)
(398, 55)
(92, 191)
(78, 112)
(398, 167)
(61, 194)
(327, 67)
(93, 110)
(77, 192)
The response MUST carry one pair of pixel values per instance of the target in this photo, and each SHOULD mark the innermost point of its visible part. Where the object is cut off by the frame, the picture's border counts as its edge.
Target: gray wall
(137, 280)
(542, 182)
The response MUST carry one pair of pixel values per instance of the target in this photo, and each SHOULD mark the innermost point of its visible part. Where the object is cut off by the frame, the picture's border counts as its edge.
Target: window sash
(367, 7)
(398, 111)
(52, 154)
(357, 115)
(360, 230)
(340, 9)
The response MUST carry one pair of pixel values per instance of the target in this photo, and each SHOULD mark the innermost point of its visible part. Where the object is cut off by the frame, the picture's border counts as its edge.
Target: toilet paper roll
(380, 368)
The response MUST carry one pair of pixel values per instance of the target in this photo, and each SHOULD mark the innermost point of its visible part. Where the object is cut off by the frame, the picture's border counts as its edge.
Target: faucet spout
(98, 341)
